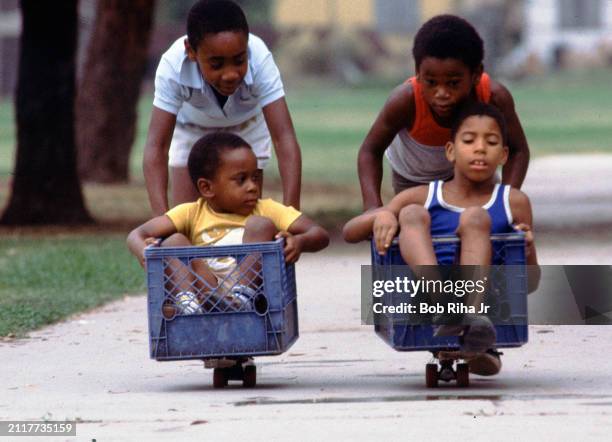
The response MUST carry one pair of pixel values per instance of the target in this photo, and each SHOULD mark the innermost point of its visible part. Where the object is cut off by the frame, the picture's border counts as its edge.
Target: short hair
(480, 109)
(205, 156)
(212, 17)
(448, 36)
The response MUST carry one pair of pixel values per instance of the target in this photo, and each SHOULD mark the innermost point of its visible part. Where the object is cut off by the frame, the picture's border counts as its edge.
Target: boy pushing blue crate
(471, 205)
(229, 212)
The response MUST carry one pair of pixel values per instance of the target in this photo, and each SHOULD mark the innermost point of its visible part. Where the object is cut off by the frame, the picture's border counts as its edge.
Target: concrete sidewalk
(571, 191)
(339, 381)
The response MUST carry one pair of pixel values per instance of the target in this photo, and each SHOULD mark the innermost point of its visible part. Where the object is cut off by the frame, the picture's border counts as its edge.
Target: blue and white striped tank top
(445, 216)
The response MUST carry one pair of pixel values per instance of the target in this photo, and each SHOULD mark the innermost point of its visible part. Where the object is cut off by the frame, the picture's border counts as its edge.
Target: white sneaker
(187, 303)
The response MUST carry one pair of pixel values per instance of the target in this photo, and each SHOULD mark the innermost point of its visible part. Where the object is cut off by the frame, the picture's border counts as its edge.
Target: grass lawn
(46, 279)
(47, 274)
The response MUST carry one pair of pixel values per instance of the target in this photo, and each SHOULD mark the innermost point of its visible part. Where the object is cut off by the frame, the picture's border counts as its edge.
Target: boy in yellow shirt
(229, 211)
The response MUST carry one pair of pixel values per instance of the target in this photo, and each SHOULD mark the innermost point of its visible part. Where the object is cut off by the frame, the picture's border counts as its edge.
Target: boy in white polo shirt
(218, 78)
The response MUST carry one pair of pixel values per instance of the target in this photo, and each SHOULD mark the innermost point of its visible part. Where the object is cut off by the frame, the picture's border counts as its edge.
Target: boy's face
(446, 83)
(222, 59)
(478, 148)
(235, 187)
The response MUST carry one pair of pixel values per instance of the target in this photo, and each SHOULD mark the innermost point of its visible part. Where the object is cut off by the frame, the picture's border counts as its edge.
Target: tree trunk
(46, 188)
(108, 96)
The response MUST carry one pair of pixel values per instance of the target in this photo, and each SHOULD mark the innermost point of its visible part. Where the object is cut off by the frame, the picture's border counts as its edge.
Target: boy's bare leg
(416, 247)
(183, 278)
(415, 243)
(479, 338)
(475, 233)
(415, 237)
(475, 230)
(256, 229)
(259, 229)
(243, 281)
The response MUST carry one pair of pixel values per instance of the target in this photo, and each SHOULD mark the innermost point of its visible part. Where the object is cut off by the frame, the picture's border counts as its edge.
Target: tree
(46, 187)
(108, 96)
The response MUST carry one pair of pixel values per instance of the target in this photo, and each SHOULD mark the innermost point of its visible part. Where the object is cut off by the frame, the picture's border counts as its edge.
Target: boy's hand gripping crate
(509, 286)
(190, 319)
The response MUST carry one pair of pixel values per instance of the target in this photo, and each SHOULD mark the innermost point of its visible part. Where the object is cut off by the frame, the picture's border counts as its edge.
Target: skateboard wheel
(250, 376)
(169, 311)
(219, 378)
(463, 375)
(431, 375)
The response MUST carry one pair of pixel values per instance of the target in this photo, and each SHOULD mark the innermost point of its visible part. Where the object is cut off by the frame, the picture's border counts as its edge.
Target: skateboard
(232, 369)
(448, 366)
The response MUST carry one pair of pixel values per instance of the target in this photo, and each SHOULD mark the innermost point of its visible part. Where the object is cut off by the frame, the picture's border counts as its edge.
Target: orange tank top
(425, 130)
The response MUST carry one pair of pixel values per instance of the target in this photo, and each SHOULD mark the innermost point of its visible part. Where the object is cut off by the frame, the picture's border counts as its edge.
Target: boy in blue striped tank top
(471, 205)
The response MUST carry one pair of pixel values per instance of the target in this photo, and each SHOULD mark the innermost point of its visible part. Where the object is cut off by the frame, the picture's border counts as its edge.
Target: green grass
(7, 137)
(44, 280)
(567, 113)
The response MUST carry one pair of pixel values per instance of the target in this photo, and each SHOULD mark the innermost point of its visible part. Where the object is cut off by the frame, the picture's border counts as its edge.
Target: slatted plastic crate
(221, 329)
(512, 331)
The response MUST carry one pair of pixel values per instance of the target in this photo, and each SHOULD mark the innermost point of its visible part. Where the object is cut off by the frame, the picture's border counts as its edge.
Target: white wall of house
(544, 31)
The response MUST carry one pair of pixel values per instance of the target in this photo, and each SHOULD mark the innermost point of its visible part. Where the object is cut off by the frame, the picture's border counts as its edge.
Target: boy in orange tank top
(414, 124)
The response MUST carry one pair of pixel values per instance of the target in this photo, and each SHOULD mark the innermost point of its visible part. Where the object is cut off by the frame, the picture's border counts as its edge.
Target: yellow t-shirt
(204, 227)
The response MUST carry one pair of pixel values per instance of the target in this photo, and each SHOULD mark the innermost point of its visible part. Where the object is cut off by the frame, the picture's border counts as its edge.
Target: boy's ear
(477, 74)
(191, 53)
(205, 188)
(505, 156)
(450, 151)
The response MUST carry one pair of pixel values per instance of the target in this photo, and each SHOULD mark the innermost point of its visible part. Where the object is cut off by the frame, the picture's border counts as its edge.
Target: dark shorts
(400, 183)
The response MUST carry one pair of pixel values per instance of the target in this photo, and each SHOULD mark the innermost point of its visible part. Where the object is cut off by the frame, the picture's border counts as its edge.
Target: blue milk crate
(220, 328)
(508, 249)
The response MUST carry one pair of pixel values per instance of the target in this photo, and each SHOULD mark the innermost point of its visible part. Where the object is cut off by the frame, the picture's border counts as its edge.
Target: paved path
(571, 190)
(338, 381)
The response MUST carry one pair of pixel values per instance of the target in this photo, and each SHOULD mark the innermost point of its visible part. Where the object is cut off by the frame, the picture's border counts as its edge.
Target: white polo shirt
(181, 90)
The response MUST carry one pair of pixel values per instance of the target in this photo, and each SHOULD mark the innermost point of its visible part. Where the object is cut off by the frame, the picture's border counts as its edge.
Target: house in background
(394, 22)
(347, 38)
(383, 16)
(555, 27)
(515, 31)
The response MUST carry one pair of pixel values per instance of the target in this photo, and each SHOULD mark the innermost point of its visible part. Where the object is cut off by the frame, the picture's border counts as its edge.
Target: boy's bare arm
(303, 235)
(397, 113)
(158, 227)
(514, 171)
(361, 227)
(155, 159)
(287, 150)
(523, 220)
